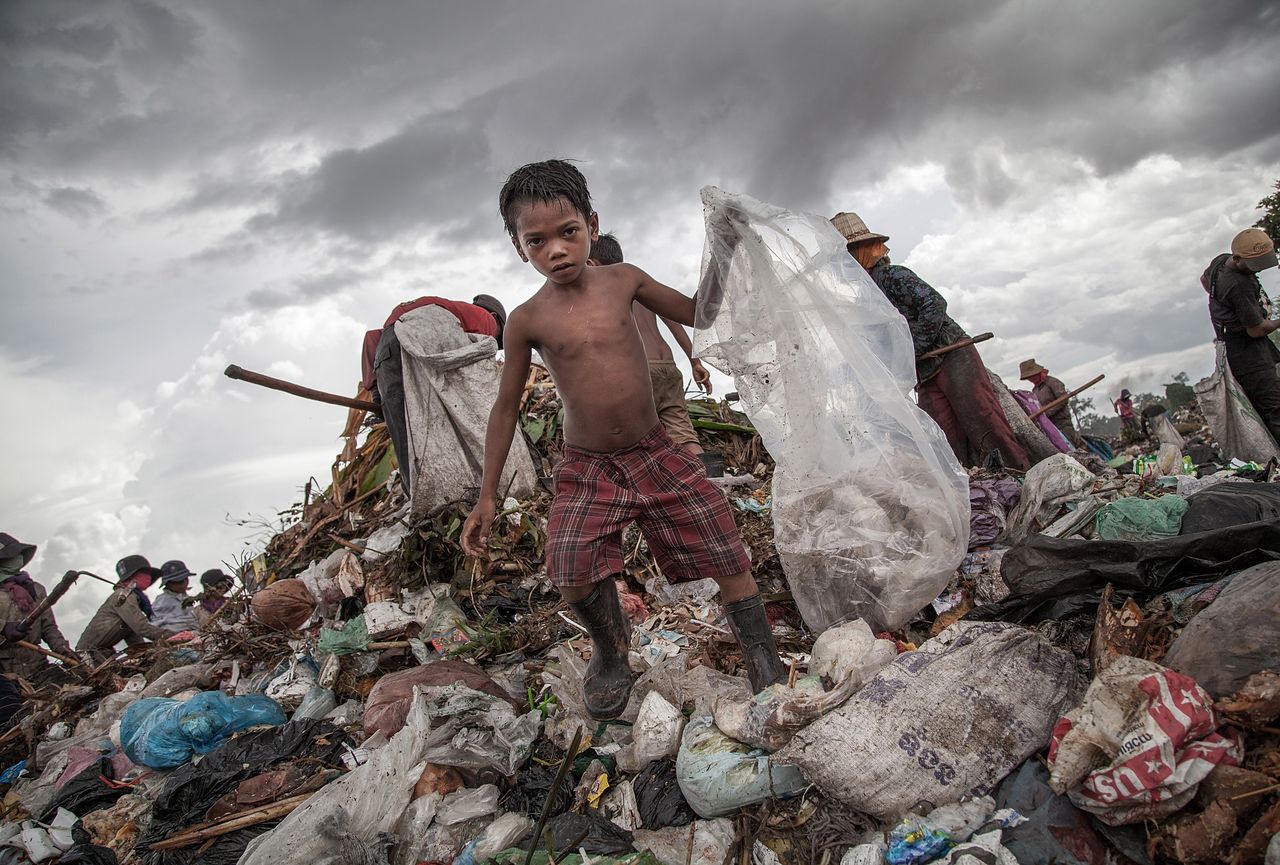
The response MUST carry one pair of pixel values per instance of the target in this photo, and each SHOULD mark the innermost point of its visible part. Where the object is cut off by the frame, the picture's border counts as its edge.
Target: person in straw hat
(1241, 323)
(1046, 389)
(954, 388)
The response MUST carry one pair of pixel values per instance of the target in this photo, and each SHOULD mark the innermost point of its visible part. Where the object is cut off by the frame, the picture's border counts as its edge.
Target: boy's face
(555, 238)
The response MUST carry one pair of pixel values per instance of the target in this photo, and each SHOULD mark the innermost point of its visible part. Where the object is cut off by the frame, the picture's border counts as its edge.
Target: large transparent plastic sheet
(870, 506)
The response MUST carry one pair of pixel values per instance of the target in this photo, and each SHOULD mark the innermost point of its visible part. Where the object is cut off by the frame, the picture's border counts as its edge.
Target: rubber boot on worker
(750, 626)
(607, 684)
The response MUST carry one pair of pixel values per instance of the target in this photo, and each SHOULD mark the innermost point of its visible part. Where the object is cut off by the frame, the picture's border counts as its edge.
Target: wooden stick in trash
(1066, 396)
(70, 662)
(267, 381)
(200, 832)
(973, 340)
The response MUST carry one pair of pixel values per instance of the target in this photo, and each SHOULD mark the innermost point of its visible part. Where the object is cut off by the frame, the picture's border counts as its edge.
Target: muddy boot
(750, 626)
(607, 684)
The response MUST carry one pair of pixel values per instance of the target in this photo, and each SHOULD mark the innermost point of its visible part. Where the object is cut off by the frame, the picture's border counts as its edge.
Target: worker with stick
(952, 385)
(1046, 390)
(20, 597)
(125, 614)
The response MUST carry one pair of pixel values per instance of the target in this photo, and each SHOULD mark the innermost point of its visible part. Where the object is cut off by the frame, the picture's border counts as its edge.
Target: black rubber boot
(750, 626)
(607, 684)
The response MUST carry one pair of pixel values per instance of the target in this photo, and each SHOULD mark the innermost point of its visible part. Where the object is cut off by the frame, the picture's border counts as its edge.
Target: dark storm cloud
(308, 289)
(1160, 328)
(79, 203)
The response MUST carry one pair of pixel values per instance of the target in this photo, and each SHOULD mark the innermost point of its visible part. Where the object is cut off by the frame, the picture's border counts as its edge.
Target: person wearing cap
(172, 609)
(1124, 408)
(383, 367)
(217, 585)
(1241, 323)
(1046, 388)
(19, 597)
(125, 614)
(955, 388)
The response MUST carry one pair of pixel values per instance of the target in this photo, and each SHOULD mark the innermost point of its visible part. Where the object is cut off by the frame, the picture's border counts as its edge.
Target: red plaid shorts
(658, 485)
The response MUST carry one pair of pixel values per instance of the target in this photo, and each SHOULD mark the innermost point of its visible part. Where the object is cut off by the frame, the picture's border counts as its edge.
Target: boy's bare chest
(575, 329)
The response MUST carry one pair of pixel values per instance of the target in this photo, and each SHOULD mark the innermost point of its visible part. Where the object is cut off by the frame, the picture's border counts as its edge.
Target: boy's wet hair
(543, 183)
(605, 249)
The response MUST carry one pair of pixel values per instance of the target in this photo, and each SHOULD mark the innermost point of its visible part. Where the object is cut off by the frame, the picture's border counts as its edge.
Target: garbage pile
(1099, 682)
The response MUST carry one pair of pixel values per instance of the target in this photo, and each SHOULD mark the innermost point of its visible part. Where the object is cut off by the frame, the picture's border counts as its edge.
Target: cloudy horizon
(187, 185)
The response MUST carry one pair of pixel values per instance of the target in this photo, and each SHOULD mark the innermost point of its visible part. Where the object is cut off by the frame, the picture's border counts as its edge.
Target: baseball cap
(1256, 250)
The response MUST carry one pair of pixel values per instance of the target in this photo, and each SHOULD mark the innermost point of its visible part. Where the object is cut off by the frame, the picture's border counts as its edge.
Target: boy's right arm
(497, 436)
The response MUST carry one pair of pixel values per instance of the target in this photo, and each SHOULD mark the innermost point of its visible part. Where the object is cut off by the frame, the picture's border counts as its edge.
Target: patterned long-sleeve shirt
(925, 311)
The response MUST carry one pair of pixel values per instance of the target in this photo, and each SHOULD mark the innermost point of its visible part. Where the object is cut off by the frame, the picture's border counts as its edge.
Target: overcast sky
(187, 185)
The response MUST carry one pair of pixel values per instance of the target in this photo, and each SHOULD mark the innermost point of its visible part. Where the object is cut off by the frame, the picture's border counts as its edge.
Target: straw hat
(854, 229)
(1028, 368)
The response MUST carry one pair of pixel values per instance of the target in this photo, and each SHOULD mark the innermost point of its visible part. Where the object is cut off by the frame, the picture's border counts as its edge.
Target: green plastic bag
(1140, 519)
(354, 637)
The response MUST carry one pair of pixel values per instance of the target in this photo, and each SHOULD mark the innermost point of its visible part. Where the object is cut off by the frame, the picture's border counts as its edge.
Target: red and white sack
(1139, 745)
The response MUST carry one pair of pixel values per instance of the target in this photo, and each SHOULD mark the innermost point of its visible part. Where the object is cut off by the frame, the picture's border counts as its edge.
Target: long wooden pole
(205, 831)
(1066, 396)
(68, 579)
(279, 384)
(70, 662)
(973, 340)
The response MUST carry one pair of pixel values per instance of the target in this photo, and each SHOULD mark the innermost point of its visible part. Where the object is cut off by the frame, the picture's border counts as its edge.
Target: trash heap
(1099, 682)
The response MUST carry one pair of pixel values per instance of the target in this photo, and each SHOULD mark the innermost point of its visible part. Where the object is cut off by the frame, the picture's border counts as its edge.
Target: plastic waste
(870, 507)
(989, 504)
(180, 679)
(467, 804)
(385, 541)
(658, 798)
(1140, 519)
(531, 790)
(1054, 829)
(1235, 636)
(946, 721)
(351, 638)
(475, 730)
(1138, 746)
(1048, 486)
(654, 735)
(719, 775)
(500, 834)
(868, 853)
(1233, 504)
(709, 841)
(1236, 426)
(850, 651)
(291, 686)
(162, 733)
(318, 703)
(366, 802)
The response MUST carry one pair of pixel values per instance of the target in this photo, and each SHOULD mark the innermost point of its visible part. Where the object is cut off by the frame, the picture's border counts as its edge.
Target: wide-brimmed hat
(854, 229)
(215, 577)
(174, 570)
(1028, 368)
(130, 565)
(11, 546)
(494, 307)
(1256, 249)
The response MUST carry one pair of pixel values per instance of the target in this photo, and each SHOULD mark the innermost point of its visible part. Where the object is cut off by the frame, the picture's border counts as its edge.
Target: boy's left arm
(662, 300)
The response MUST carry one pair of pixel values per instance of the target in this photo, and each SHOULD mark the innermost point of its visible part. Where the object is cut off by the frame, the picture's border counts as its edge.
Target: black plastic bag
(530, 793)
(659, 798)
(595, 834)
(1230, 504)
(1235, 636)
(86, 792)
(89, 854)
(1055, 578)
(192, 789)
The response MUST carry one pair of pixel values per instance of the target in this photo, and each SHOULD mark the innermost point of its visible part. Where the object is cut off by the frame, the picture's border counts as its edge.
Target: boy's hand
(475, 531)
(701, 377)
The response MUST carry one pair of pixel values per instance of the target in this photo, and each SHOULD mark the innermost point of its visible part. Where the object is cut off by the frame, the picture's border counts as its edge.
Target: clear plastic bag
(870, 506)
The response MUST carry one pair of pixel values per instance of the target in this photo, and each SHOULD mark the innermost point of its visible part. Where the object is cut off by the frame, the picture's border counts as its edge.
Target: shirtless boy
(618, 464)
(664, 375)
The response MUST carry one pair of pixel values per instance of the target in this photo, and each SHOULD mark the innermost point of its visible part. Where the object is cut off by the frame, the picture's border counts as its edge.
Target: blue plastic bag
(161, 733)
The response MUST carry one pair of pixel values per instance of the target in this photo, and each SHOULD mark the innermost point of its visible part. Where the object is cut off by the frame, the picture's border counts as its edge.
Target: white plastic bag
(702, 842)
(1236, 425)
(655, 734)
(870, 507)
(1049, 485)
